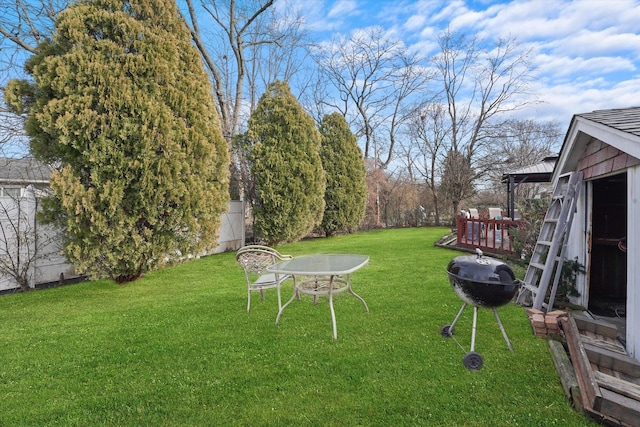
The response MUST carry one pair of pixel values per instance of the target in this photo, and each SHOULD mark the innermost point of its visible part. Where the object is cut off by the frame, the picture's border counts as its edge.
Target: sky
(585, 53)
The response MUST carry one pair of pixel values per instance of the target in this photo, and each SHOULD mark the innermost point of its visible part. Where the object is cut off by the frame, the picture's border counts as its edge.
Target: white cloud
(562, 101)
(423, 47)
(621, 14)
(415, 22)
(342, 9)
(313, 13)
(589, 43)
(558, 67)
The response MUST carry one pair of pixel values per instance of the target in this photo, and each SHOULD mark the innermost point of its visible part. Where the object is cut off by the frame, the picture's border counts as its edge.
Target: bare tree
(284, 59)
(251, 45)
(226, 57)
(401, 207)
(425, 149)
(371, 80)
(13, 141)
(374, 78)
(23, 24)
(455, 185)
(522, 143)
(482, 84)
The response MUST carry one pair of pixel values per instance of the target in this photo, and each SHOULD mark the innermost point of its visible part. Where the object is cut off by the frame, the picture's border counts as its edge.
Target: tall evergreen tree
(346, 193)
(121, 101)
(286, 165)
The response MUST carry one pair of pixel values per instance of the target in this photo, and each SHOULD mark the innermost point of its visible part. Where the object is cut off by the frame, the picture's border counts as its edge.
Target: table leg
(295, 293)
(356, 295)
(333, 313)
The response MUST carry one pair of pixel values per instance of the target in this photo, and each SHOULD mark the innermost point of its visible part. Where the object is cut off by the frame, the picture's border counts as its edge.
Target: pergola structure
(540, 172)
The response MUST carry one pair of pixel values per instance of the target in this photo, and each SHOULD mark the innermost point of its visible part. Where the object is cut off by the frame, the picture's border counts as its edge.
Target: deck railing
(489, 235)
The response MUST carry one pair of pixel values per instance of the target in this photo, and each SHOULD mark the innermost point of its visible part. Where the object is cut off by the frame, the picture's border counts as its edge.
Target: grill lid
(481, 269)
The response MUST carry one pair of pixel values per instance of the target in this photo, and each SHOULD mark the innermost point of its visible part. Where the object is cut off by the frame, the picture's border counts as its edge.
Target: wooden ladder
(549, 252)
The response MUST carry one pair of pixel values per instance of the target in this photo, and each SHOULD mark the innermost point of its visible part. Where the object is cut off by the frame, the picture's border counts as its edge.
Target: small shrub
(524, 238)
(568, 277)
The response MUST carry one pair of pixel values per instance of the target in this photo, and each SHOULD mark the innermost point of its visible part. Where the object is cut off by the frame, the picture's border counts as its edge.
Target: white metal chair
(494, 213)
(473, 214)
(254, 260)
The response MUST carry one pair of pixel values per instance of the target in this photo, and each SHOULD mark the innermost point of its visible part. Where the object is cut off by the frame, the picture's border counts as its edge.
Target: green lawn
(177, 348)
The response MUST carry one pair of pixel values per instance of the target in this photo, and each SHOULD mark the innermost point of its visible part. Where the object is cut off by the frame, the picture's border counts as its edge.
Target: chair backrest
(255, 259)
(473, 213)
(494, 213)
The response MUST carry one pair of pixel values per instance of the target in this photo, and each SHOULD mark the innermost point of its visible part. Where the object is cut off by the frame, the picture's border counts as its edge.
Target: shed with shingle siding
(605, 237)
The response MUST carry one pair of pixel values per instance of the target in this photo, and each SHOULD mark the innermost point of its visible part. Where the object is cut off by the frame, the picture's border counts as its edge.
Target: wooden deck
(489, 235)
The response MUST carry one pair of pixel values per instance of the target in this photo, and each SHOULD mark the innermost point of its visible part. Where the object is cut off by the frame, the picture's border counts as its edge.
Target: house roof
(623, 119)
(618, 127)
(23, 171)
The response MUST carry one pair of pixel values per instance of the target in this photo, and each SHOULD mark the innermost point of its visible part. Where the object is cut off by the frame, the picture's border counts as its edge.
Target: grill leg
(504, 334)
(464, 305)
(473, 329)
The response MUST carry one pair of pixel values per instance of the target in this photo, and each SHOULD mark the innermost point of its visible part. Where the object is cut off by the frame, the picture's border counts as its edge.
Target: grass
(177, 347)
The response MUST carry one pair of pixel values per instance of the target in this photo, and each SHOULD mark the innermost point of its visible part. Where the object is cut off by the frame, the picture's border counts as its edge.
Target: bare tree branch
(482, 83)
(374, 78)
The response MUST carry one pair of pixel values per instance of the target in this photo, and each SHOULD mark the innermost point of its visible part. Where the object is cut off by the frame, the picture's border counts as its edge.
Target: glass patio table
(321, 275)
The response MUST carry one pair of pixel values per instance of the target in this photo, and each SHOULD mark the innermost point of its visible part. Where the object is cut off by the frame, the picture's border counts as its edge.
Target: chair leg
(315, 297)
(248, 300)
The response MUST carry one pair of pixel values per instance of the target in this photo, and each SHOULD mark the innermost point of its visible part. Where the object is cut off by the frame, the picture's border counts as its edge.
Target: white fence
(232, 228)
(27, 247)
(22, 237)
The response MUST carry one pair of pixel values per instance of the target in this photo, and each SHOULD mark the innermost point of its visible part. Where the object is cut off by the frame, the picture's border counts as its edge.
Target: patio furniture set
(316, 275)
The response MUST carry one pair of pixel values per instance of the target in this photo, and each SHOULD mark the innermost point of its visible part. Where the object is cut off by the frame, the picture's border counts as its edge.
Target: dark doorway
(608, 272)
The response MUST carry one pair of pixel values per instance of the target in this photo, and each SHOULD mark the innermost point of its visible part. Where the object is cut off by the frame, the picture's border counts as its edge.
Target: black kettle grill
(482, 282)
